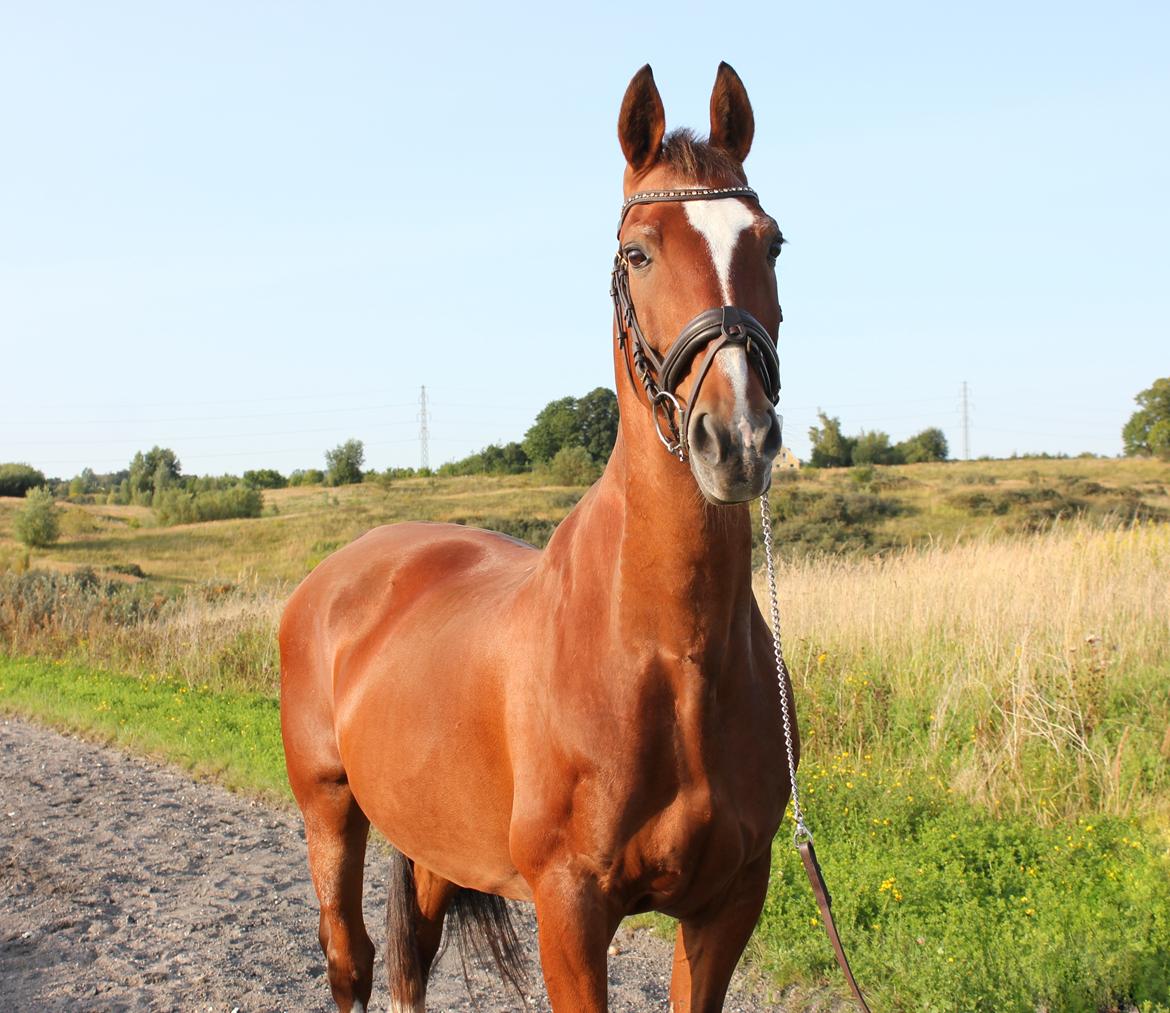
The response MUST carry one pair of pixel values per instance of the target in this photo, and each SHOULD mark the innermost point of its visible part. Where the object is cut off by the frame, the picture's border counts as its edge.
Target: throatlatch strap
(820, 890)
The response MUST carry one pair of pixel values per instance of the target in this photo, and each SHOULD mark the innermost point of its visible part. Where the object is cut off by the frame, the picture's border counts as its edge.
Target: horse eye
(774, 250)
(636, 257)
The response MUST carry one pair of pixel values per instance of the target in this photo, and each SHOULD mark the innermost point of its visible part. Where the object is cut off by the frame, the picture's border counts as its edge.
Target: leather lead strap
(820, 890)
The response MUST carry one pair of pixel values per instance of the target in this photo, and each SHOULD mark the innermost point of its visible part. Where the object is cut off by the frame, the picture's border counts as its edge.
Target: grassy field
(300, 527)
(982, 668)
(850, 510)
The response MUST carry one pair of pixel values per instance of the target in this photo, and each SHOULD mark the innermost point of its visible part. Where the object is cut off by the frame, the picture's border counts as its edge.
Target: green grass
(943, 906)
(231, 736)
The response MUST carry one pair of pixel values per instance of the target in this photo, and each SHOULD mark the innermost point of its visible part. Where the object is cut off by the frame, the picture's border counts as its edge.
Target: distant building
(785, 459)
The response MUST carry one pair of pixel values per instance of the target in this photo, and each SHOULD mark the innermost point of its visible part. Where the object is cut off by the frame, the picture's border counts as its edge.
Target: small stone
(614, 949)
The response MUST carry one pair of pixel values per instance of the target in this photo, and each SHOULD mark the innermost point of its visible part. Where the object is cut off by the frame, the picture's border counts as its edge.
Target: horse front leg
(707, 947)
(576, 925)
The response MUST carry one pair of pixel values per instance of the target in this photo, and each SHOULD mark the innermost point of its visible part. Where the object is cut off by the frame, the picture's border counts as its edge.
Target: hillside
(860, 510)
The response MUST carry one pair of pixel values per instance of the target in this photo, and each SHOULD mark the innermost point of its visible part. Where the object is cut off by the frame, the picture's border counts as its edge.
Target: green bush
(175, 506)
(17, 479)
(978, 503)
(573, 466)
(811, 521)
(306, 476)
(533, 530)
(265, 478)
(37, 523)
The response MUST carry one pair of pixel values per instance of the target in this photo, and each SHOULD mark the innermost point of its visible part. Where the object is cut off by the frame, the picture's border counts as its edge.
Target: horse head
(696, 306)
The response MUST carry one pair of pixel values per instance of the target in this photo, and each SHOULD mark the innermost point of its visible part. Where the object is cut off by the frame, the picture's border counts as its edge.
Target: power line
(218, 418)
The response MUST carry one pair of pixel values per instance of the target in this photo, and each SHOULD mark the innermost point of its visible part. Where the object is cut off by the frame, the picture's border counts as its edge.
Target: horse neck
(682, 566)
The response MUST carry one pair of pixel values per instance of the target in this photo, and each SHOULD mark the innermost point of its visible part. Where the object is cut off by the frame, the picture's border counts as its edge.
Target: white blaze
(721, 223)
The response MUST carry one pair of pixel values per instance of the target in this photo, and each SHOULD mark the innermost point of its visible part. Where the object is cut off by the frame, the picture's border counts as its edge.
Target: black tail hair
(480, 922)
(403, 967)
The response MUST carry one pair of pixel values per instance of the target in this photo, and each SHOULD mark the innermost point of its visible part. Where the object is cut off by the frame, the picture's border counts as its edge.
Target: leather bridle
(712, 330)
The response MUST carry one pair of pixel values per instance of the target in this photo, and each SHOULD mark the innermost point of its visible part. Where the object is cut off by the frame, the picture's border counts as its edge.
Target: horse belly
(420, 732)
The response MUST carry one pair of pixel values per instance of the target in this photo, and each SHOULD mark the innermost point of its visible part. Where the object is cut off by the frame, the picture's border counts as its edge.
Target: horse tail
(482, 926)
(404, 972)
(485, 932)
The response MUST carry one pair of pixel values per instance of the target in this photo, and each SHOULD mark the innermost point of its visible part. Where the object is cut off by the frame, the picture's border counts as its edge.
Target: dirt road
(126, 886)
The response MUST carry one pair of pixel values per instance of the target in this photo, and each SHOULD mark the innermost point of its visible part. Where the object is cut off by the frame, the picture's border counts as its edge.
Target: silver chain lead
(782, 677)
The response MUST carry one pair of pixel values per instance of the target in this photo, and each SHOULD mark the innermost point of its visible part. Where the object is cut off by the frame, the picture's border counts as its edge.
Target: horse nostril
(770, 444)
(759, 435)
(706, 439)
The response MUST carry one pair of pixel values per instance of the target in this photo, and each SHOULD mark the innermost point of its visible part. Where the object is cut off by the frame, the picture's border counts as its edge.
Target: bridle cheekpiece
(711, 330)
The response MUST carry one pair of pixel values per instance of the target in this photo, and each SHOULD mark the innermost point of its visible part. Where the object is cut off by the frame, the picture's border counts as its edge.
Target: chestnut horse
(594, 727)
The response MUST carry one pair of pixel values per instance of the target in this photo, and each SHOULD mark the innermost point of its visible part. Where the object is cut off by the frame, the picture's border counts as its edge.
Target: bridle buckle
(664, 406)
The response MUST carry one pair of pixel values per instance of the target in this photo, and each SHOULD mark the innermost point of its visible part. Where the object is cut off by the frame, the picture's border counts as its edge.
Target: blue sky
(250, 231)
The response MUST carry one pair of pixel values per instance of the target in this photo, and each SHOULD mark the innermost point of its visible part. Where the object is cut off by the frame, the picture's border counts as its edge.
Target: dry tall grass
(1029, 673)
(1032, 673)
(217, 636)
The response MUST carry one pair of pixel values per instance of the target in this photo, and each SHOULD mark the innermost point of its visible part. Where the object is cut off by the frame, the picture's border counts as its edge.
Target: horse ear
(642, 121)
(732, 124)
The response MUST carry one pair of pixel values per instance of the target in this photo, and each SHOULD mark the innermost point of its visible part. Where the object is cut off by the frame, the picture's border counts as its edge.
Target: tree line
(833, 449)
(570, 441)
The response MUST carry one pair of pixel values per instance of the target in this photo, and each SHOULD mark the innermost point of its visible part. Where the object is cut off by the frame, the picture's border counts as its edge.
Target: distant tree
(555, 427)
(494, 459)
(590, 422)
(17, 479)
(343, 463)
(1148, 429)
(928, 445)
(152, 472)
(830, 448)
(509, 459)
(37, 523)
(873, 447)
(597, 415)
(84, 483)
(265, 478)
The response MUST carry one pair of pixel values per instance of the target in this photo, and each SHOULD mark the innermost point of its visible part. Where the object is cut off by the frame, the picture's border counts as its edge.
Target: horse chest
(715, 809)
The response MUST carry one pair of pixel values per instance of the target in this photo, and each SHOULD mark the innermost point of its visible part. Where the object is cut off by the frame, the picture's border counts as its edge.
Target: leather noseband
(712, 330)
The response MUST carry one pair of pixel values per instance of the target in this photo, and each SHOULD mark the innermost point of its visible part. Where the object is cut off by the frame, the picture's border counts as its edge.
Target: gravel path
(127, 886)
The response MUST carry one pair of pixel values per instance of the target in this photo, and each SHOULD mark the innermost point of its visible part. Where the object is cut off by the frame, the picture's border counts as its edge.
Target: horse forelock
(698, 161)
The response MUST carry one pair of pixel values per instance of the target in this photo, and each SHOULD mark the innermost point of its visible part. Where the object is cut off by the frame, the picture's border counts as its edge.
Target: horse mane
(696, 159)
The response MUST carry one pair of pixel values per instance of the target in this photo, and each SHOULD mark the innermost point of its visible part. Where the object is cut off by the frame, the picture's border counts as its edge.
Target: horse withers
(594, 727)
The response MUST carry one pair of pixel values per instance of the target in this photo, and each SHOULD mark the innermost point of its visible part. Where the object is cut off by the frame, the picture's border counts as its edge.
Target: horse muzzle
(731, 459)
